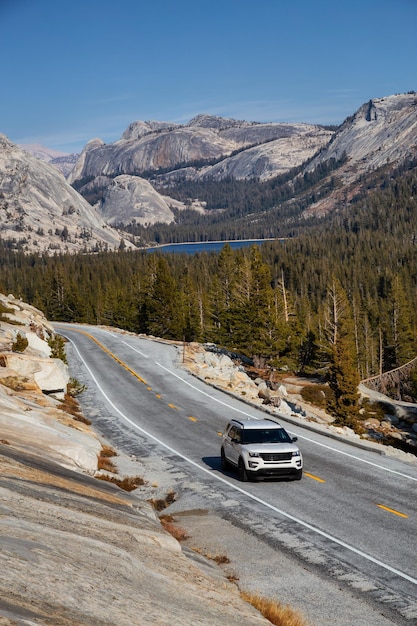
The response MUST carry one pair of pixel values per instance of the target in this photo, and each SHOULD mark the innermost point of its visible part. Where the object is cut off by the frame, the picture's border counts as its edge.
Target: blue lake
(207, 246)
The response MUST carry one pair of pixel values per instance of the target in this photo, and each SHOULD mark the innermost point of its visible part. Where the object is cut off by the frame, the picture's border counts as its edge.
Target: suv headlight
(252, 454)
(296, 453)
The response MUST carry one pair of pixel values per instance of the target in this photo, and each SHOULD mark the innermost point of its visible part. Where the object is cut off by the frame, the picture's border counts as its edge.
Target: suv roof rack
(235, 421)
(244, 423)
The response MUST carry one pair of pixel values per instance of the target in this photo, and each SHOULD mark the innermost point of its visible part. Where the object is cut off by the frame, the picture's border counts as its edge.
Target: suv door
(232, 444)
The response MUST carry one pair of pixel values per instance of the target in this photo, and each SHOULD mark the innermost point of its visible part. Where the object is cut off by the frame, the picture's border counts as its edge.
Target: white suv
(260, 448)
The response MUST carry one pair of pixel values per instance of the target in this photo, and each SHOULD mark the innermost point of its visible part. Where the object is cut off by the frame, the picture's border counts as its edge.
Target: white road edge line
(136, 350)
(246, 493)
(317, 443)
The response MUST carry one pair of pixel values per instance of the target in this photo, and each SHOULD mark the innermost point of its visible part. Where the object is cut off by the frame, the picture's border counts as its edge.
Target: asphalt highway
(354, 512)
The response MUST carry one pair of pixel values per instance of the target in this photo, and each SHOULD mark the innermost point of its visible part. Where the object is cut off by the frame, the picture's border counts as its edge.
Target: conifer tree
(404, 341)
(342, 375)
(222, 295)
(160, 304)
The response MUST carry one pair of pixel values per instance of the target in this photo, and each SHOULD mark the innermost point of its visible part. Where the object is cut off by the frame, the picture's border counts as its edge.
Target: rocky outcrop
(130, 199)
(383, 130)
(41, 211)
(32, 359)
(32, 387)
(381, 133)
(223, 372)
(161, 149)
(266, 160)
(29, 360)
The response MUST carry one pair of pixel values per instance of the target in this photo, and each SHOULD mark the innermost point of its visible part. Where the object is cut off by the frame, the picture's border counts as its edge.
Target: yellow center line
(220, 433)
(158, 395)
(172, 406)
(319, 480)
(113, 356)
(386, 508)
(193, 419)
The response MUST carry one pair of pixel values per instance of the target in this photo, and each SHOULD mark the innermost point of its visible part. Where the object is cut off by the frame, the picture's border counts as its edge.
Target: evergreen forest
(338, 300)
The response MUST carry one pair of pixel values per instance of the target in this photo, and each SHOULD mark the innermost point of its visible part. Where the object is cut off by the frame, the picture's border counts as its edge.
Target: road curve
(354, 513)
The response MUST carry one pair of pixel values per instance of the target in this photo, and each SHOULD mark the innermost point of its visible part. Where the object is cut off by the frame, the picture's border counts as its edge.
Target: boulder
(51, 375)
(35, 343)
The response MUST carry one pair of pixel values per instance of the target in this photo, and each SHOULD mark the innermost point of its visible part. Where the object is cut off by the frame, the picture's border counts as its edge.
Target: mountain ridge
(158, 161)
(41, 212)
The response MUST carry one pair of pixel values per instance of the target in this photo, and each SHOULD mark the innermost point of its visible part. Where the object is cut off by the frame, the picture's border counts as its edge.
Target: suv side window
(234, 433)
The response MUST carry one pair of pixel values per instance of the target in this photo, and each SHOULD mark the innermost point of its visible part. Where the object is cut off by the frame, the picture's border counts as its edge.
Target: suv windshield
(262, 435)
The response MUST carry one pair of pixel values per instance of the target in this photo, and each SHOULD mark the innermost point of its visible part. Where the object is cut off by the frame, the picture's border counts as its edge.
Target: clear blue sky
(73, 71)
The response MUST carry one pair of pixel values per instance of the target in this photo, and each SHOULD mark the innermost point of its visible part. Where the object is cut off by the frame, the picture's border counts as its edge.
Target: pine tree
(342, 374)
(160, 304)
(404, 341)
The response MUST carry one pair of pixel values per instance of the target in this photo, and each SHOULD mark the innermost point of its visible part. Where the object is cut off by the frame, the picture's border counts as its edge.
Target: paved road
(354, 513)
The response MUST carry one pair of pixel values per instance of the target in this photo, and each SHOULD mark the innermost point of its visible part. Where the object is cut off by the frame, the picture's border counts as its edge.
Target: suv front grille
(276, 457)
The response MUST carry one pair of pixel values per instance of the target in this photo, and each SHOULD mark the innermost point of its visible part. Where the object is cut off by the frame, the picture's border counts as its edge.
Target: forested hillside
(241, 209)
(340, 296)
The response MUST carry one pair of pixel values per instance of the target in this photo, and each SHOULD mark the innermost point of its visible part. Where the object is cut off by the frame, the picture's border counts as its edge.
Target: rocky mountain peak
(214, 121)
(139, 129)
(382, 130)
(93, 144)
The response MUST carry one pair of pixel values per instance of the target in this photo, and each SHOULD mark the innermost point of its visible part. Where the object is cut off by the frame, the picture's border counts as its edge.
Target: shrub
(75, 388)
(57, 344)
(4, 309)
(20, 343)
(374, 409)
(315, 394)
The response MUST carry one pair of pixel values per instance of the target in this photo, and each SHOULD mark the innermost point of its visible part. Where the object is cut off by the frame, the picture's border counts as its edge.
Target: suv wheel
(225, 465)
(243, 475)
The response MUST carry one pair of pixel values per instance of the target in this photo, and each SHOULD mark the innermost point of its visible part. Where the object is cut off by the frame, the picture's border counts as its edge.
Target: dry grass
(71, 406)
(160, 504)
(103, 463)
(233, 578)
(277, 613)
(107, 452)
(168, 522)
(220, 559)
(128, 483)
